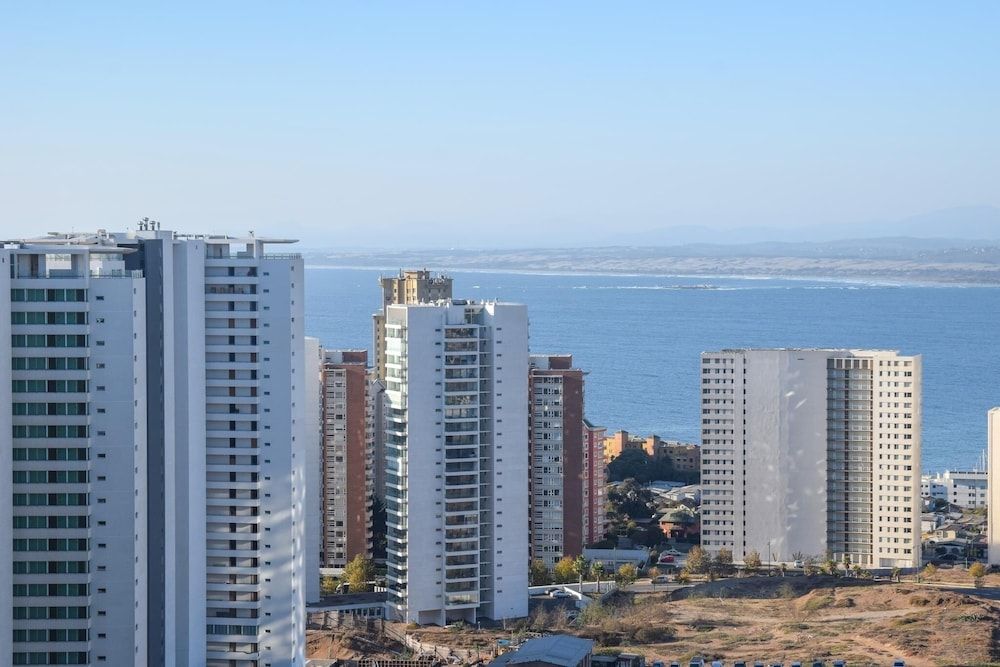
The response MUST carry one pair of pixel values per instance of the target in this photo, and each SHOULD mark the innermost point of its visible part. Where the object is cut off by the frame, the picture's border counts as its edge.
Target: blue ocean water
(640, 337)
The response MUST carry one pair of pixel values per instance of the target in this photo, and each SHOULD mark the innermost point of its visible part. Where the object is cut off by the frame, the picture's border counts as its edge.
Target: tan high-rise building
(410, 286)
(556, 441)
(347, 457)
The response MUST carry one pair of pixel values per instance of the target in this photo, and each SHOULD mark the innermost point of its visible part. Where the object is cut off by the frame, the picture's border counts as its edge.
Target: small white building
(962, 488)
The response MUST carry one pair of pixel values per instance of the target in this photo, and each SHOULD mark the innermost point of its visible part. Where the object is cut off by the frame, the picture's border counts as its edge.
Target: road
(647, 586)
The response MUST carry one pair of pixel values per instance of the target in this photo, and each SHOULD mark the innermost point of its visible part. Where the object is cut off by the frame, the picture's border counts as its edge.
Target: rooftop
(563, 650)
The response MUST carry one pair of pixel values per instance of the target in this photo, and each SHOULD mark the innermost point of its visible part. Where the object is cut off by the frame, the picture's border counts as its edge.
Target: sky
(482, 124)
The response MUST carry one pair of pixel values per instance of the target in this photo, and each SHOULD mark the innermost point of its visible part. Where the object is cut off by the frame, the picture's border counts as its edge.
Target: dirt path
(880, 650)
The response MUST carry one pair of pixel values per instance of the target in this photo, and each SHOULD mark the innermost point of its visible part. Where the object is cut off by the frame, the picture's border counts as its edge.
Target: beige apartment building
(813, 452)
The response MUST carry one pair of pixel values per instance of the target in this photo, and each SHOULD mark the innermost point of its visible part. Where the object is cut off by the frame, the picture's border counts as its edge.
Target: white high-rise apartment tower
(457, 461)
(207, 420)
(814, 452)
(73, 475)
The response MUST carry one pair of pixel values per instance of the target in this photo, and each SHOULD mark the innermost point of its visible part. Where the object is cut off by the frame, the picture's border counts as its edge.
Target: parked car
(666, 558)
(559, 593)
(673, 552)
(839, 663)
(818, 663)
(898, 662)
(740, 663)
(661, 579)
(696, 662)
(674, 663)
(798, 565)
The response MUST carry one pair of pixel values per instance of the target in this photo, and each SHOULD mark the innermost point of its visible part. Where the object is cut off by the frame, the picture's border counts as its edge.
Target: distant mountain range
(885, 259)
(954, 246)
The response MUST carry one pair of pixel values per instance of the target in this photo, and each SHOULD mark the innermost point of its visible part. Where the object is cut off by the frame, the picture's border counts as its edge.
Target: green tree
(539, 573)
(328, 585)
(358, 573)
(562, 572)
(626, 575)
(697, 561)
(895, 573)
(722, 563)
(580, 567)
(751, 562)
(597, 569)
(929, 570)
(977, 571)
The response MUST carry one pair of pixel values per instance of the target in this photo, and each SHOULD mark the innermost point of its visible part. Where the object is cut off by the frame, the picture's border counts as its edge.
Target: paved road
(988, 593)
(647, 586)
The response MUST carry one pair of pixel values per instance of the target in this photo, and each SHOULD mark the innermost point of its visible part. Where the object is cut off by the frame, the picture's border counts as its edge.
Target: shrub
(654, 634)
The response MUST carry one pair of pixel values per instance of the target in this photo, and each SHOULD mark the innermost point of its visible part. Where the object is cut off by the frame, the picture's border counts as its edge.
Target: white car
(559, 593)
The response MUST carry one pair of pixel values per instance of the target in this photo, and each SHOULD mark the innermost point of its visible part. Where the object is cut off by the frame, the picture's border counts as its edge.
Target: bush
(787, 591)
(654, 634)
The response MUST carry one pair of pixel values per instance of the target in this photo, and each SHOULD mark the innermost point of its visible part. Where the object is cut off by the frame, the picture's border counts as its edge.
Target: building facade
(74, 407)
(594, 483)
(962, 488)
(206, 419)
(812, 451)
(409, 286)
(558, 457)
(348, 457)
(457, 461)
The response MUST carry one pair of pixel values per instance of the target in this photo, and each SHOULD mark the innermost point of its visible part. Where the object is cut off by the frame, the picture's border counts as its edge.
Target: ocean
(639, 338)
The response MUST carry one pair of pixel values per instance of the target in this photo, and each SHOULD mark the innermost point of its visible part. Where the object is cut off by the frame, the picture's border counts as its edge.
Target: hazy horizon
(521, 125)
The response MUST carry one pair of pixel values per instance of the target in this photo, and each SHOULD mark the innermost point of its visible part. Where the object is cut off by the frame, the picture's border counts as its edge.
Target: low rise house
(680, 523)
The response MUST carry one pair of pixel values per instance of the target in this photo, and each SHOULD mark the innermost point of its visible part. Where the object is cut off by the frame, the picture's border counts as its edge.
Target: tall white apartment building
(814, 452)
(73, 475)
(234, 402)
(457, 461)
(993, 508)
(186, 358)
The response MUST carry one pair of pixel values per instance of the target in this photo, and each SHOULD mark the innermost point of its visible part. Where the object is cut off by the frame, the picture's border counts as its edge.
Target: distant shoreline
(958, 279)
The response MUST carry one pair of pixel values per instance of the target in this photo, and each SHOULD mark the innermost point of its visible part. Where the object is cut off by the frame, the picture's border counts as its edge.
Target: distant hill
(894, 259)
(964, 222)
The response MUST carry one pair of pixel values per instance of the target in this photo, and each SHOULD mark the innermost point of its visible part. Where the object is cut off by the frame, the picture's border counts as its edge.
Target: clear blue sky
(367, 123)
